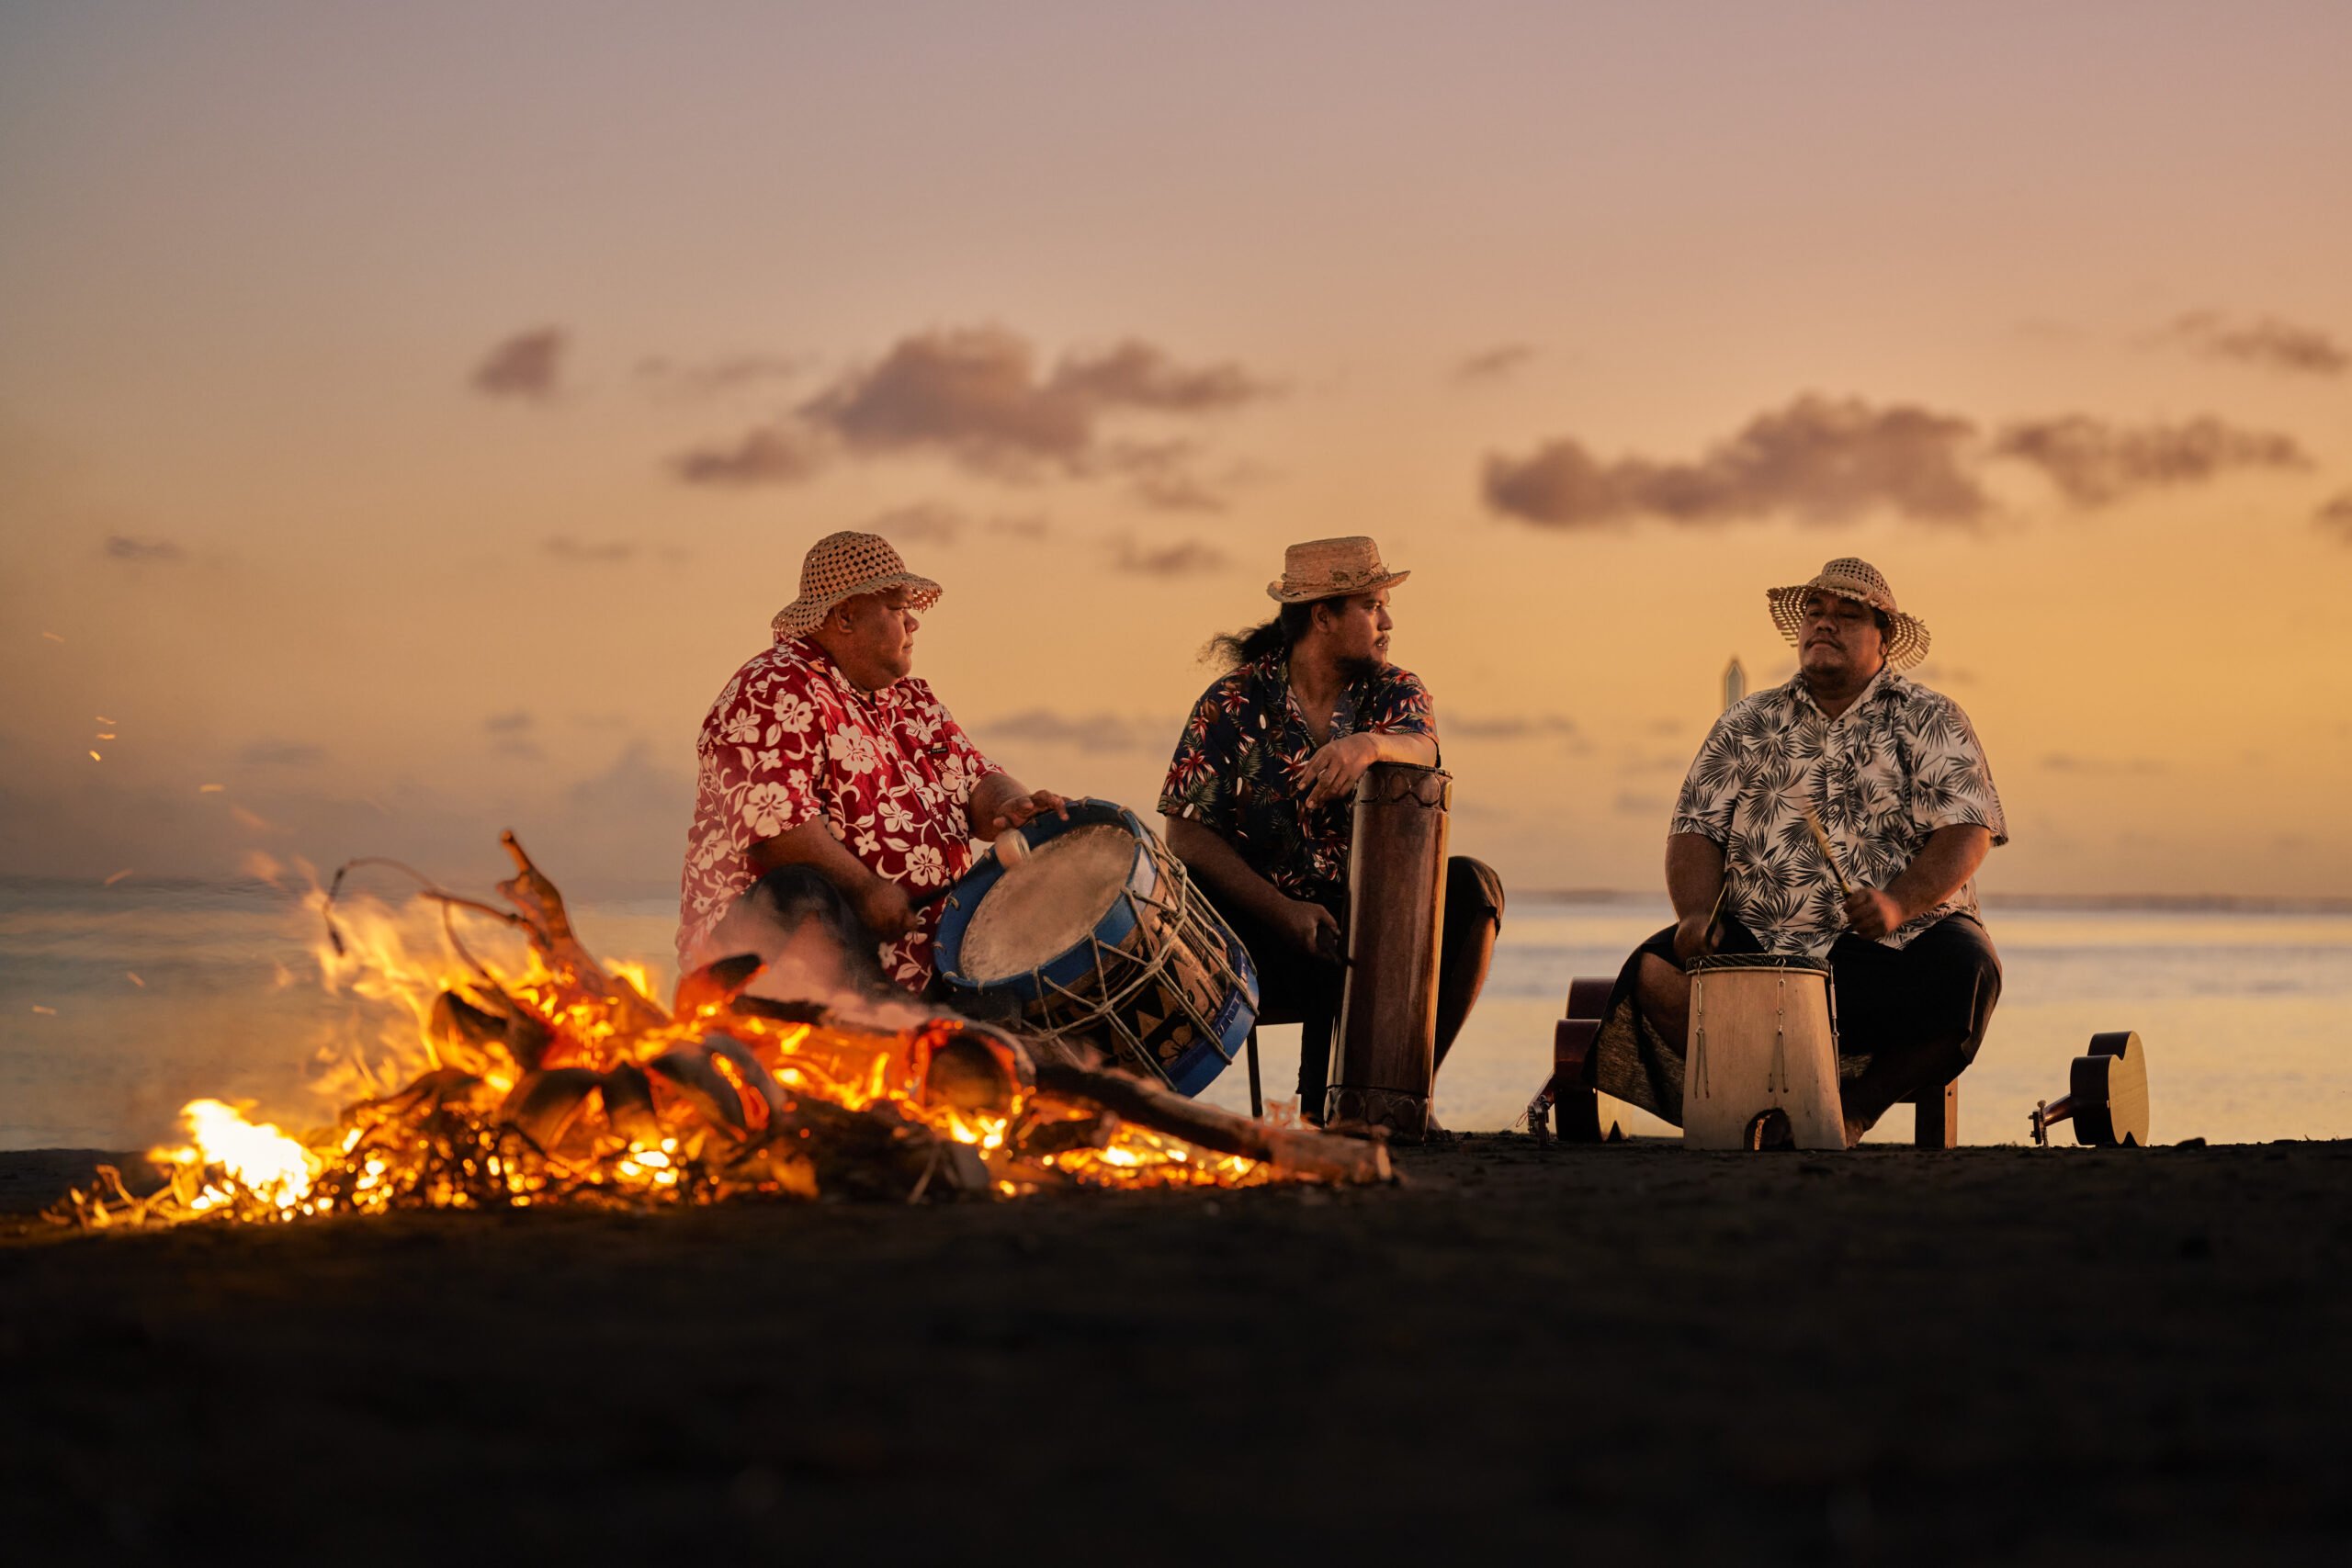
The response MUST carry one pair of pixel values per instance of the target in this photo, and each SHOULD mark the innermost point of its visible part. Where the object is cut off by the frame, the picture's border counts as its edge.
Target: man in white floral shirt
(832, 779)
(1894, 776)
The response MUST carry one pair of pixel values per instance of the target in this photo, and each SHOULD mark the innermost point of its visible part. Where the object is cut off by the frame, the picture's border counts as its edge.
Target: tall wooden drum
(1385, 1050)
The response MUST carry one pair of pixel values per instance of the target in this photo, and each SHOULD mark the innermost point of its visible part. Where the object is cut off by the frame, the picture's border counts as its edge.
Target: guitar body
(2109, 1089)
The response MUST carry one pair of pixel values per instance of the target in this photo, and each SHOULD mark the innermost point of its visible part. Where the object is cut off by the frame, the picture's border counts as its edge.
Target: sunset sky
(410, 415)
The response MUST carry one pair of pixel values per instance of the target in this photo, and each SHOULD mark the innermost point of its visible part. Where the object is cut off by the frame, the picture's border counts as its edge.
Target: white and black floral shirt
(1884, 774)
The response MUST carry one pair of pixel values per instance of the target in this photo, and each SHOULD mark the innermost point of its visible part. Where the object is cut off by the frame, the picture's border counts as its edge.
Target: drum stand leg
(1257, 1098)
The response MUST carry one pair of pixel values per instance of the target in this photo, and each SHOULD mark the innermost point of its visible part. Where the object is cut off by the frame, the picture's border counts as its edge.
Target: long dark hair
(1230, 651)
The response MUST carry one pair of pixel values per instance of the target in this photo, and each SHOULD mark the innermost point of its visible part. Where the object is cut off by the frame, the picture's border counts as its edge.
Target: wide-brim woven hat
(1326, 568)
(842, 566)
(1849, 577)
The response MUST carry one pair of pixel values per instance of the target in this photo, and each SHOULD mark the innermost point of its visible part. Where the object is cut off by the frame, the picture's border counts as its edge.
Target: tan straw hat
(842, 566)
(1849, 577)
(1325, 568)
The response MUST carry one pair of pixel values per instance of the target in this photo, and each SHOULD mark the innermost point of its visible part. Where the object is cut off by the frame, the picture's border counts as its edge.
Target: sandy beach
(1985, 1354)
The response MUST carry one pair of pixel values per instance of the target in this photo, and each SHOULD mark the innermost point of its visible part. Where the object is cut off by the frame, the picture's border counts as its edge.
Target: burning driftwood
(565, 1083)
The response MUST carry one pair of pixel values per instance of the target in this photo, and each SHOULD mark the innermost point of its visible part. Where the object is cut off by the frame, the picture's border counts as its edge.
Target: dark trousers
(1305, 989)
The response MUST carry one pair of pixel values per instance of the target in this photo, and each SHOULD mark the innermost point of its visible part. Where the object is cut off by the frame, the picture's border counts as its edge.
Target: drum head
(1053, 903)
(1718, 962)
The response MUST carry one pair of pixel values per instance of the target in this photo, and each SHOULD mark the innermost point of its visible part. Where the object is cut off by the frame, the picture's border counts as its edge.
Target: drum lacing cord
(1698, 1074)
(1098, 1009)
(1779, 1069)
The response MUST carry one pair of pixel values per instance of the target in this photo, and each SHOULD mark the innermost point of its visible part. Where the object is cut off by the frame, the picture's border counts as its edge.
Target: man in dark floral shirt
(1257, 794)
(1893, 775)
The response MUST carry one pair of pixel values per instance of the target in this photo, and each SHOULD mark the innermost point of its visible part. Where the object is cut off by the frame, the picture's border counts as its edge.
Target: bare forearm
(1695, 873)
(1391, 745)
(1944, 862)
(812, 845)
(1209, 857)
(989, 798)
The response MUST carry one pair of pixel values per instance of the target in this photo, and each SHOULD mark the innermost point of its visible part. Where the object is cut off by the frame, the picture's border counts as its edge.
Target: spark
(211, 789)
(96, 757)
(102, 718)
(45, 1012)
(103, 735)
(53, 637)
(117, 877)
(134, 979)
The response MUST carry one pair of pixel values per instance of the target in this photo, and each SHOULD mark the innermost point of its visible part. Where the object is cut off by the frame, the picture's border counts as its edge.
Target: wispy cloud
(142, 552)
(528, 366)
(1509, 727)
(779, 454)
(1494, 364)
(2101, 767)
(2094, 462)
(575, 552)
(512, 734)
(1821, 459)
(2336, 514)
(2264, 341)
(1830, 460)
(693, 380)
(1083, 732)
(1184, 558)
(923, 522)
(980, 397)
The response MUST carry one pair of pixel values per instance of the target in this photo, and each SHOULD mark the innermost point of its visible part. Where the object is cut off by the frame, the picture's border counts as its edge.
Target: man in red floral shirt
(828, 772)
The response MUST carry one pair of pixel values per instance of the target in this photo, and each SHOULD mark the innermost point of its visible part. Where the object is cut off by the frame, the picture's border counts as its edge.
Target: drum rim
(947, 941)
(1785, 963)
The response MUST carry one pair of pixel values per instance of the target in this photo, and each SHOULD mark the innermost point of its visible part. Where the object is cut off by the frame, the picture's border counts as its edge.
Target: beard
(1354, 670)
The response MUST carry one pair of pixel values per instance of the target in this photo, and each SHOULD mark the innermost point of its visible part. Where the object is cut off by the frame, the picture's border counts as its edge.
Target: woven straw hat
(842, 566)
(1325, 568)
(1849, 577)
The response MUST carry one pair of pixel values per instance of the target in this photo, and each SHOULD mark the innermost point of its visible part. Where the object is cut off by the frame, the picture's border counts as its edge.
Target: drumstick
(1821, 841)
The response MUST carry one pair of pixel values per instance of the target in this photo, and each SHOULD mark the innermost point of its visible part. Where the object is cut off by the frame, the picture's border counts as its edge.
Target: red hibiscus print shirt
(790, 741)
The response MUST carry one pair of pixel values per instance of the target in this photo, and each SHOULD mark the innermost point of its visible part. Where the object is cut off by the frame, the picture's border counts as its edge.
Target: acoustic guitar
(2106, 1095)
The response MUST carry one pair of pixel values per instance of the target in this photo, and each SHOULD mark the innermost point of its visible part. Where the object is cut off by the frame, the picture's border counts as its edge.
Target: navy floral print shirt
(1239, 767)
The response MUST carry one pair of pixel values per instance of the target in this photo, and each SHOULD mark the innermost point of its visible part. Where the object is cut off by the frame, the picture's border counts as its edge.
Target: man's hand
(1695, 937)
(1023, 807)
(1311, 930)
(885, 908)
(1332, 771)
(1871, 912)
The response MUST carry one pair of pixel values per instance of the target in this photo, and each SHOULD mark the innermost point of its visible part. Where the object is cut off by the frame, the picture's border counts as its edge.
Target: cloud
(1821, 459)
(673, 380)
(635, 786)
(2336, 516)
(2102, 767)
(142, 552)
(510, 734)
(1186, 558)
(779, 454)
(281, 754)
(1634, 803)
(1022, 525)
(2265, 341)
(1084, 732)
(980, 397)
(525, 366)
(566, 548)
(923, 522)
(1494, 364)
(514, 723)
(2094, 463)
(1509, 727)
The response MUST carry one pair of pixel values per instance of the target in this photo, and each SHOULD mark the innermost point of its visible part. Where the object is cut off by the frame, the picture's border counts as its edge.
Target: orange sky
(408, 419)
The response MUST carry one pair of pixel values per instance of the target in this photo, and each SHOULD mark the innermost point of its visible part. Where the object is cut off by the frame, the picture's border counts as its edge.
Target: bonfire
(561, 1081)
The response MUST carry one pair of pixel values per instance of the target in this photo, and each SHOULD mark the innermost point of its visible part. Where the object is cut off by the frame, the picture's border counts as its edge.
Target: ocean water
(119, 1004)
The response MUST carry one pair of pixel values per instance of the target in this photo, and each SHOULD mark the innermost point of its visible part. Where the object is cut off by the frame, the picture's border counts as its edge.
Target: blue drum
(1099, 936)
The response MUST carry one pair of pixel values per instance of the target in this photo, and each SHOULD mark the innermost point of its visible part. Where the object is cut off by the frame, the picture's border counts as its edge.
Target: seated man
(1899, 784)
(836, 780)
(1258, 797)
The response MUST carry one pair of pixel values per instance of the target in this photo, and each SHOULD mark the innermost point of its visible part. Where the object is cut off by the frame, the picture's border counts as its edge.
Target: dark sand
(2007, 1355)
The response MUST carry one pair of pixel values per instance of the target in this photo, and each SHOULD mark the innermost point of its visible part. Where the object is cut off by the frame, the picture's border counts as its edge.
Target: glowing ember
(555, 1079)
